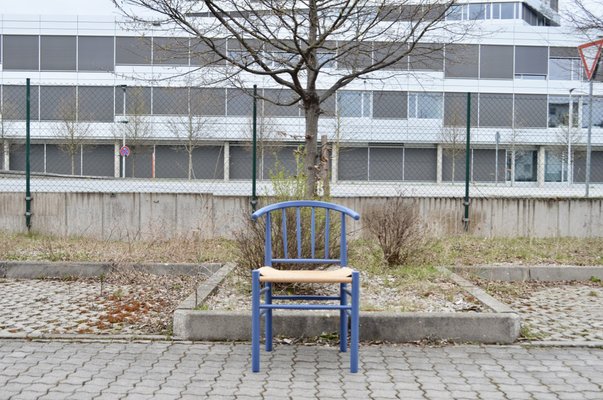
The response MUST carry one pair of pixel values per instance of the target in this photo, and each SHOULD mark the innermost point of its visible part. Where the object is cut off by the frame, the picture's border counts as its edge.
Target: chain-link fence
(191, 139)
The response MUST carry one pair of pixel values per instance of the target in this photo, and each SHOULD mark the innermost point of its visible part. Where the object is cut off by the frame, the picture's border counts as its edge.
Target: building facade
(405, 124)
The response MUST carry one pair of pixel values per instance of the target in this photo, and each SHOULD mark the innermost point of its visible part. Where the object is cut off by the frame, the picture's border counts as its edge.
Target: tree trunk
(72, 163)
(190, 164)
(325, 151)
(312, 113)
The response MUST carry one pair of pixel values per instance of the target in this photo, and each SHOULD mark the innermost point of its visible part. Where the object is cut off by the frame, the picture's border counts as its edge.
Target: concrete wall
(127, 216)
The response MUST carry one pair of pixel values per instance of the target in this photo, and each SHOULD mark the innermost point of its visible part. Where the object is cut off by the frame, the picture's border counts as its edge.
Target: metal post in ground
(27, 154)
(467, 164)
(588, 137)
(254, 198)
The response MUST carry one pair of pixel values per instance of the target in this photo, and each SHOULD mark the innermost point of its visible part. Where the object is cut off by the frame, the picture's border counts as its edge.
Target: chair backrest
(297, 206)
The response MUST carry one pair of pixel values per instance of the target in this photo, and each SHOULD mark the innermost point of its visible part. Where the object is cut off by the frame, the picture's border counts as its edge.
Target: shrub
(397, 228)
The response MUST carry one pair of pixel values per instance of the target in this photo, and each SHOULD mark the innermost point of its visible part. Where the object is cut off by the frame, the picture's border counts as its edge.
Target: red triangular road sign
(590, 54)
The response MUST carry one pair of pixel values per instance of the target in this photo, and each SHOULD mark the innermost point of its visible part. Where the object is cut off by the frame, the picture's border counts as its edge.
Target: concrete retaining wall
(127, 216)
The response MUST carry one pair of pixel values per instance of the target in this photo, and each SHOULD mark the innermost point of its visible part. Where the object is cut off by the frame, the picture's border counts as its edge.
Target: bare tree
(7, 112)
(453, 137)
(137, 130)
(191, 128)
(71, 132)
(568, 137)
(295, 43)
(587, 17)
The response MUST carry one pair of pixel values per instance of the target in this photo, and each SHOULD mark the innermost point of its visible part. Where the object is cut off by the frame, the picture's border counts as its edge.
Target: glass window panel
(476, 11)
(531, 60)
(530, 111)
(240, 103)
(138, 101)
(202, 54)
(597, 112)
(507, 11)
(453, 163)
(57, 103)
(170, 51)
(461, 61)
(555, 166)
(241, 162)
(327, 107)
(496, 62)
(455, 13)
(349, 104)
(420, 164)
(133, 51)
(354, 56)
(429, 105)
(58, 53)
(525, 165)
(280, 96)
(496, 110)
(20, 52)
(98, 160)
(208, 101)
(560, 68)
(386, 164)
(13, 102)
(383, 52)
(139, 164)
(455, 109)
(279, 159)
(95, 103)
(95, 53)
(353, 164)
(389, 105)
(483, 163)
(427, 56)
(63, 160)
(170, 101)
(36, 157)
(496, 11)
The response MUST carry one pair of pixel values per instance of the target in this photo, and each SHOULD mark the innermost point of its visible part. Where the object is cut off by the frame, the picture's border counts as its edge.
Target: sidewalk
(166, 370)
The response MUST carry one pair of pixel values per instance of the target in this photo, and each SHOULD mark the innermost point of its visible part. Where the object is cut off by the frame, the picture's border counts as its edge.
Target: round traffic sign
(124, 151)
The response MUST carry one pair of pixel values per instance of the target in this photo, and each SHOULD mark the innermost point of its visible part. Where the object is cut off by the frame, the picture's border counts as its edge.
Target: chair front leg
(268, 317)
(255, 321)
(343, 320)
(355, 321)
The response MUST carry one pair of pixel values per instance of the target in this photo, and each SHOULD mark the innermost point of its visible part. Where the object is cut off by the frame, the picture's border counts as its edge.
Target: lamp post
(124, 121)
(569, 137)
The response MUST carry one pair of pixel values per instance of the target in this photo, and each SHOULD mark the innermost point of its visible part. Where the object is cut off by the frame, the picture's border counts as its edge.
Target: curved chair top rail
(305, 203)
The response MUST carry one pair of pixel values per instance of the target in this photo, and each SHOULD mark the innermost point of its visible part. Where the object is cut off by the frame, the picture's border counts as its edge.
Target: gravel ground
(379, 293)
(125, 302)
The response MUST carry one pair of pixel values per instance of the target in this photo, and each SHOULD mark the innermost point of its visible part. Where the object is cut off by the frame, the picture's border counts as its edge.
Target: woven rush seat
(339, 275)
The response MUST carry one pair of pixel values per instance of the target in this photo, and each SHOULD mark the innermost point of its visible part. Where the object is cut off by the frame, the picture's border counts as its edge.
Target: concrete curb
(500, 326)
(543, 273)
(46, 269)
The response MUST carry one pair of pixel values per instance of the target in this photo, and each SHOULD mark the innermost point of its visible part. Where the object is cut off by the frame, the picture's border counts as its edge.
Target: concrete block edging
(499, 326)
(542, 273)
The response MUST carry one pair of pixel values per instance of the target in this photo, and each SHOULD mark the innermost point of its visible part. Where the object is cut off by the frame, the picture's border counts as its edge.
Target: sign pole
(588, 136)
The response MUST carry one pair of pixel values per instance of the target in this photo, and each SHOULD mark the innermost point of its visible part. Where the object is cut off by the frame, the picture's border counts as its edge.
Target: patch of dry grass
(176, 250)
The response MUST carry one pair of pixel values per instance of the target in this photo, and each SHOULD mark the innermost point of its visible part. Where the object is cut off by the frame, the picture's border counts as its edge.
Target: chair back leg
(268, 317)
(255, 321)
(343, 320)
(355, 321)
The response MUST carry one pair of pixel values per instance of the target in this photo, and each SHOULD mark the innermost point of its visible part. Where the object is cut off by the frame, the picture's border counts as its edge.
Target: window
(138, 101)
(507, 10)
(455, 109)
(133, 51)
(496, 110)
(170, 101)
(278, 158)
(95, 53)
(239, 53)
(525, 166)
(354, 104)
(21, 52)
(57, 53)
(477, 11)
(170, 51)
(425, 105)
(461, 61)
(559, 110)
(354, 55)
(202, 55)
(427, 57)
(531, 62)
(280, 96)
(565, 69)
(555, 169)
(13, 102)
(385, 51)
(241, 163)
(389, 105)
(455, 13)
(486, 167)
(420, 164)
(496, 62)
(240, 103)
(57, 103)
(386, 164)
(208, 101)
(95, 103)
(530, 111)
(353, 164)
(597, 112)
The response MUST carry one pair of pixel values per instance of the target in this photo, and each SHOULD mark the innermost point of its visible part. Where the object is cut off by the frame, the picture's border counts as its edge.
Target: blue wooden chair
(263, 278)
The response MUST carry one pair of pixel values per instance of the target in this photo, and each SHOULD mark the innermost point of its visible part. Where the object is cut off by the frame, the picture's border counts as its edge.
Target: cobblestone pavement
(164, 370)
(563, 313)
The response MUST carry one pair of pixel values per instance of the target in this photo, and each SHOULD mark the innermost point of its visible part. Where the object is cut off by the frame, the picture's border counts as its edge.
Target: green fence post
(467, 164)
(254, 198)
(27, 161)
